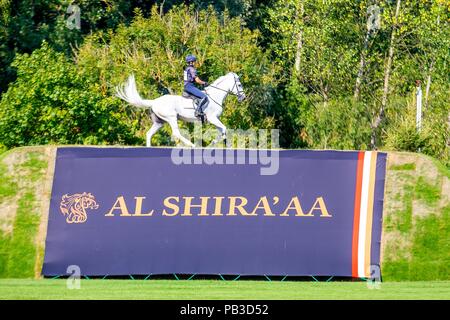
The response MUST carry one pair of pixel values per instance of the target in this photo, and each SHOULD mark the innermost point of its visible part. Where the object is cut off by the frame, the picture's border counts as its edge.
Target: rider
(190, 76)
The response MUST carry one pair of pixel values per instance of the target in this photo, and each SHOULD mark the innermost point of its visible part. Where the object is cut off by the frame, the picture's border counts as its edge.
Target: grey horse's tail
(129, 93)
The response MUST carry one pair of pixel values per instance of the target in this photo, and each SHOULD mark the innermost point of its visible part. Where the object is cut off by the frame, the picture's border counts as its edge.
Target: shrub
(401, 132)
(52, 102)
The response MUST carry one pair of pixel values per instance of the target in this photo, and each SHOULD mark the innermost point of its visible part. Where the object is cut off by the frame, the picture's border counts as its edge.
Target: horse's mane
(220, 79)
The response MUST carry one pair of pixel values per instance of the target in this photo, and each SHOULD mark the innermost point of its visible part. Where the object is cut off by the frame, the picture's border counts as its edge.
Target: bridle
(235, 85)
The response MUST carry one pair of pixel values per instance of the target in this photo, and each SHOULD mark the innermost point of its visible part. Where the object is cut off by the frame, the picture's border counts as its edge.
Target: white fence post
(418, 106)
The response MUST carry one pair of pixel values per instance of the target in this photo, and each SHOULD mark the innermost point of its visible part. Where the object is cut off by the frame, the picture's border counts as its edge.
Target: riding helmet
(191, 58)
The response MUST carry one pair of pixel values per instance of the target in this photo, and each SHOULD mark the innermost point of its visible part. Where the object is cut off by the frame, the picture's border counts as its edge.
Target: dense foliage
(313, 69)
(51, 102)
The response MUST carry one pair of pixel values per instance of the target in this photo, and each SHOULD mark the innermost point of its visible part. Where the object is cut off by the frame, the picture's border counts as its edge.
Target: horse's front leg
(222, 135)
(176, 132)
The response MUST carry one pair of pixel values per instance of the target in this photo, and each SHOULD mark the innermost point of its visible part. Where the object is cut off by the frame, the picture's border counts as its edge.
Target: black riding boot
(203, 104)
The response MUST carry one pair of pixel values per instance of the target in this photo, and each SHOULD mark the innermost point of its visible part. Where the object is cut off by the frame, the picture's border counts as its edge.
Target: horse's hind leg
(155, 127)
(176, 132)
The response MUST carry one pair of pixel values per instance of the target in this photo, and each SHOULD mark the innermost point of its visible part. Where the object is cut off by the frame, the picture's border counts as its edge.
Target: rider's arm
(199, 81)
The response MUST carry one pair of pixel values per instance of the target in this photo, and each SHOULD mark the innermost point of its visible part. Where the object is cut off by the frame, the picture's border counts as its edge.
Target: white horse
(170, 108)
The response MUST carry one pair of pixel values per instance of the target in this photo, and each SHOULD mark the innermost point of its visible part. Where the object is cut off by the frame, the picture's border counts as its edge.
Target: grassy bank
(416, 226)
(22, 175)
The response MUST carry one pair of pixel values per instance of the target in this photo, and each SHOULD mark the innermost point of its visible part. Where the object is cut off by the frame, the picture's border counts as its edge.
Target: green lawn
(216, 289)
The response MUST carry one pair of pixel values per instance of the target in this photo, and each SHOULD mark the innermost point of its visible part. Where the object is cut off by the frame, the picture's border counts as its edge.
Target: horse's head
(236, 86)
(238, 89)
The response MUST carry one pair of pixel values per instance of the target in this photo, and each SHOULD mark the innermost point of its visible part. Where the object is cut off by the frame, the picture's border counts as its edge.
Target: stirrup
(201, 116)
(199, 112)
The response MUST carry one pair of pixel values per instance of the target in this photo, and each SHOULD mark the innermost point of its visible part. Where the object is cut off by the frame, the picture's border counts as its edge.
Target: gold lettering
(138, 210)
(122, 207)
(297, 207)
(188, 205)
(322, 207)
(240, 207)
(265, 206)
(172, 206)
(218, 206)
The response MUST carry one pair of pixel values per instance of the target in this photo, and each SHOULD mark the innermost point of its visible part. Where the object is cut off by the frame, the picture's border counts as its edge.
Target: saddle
(187, 95)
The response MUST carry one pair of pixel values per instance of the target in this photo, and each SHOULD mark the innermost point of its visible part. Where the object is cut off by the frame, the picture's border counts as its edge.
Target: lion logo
(74, 206)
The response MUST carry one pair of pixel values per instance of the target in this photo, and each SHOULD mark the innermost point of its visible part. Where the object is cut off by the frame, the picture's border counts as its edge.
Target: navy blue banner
(121, 211)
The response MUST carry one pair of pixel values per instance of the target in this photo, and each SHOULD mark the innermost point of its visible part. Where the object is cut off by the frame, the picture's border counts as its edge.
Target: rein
(227, 91)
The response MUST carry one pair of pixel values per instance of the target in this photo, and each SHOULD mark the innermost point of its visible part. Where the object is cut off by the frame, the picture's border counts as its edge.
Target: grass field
(216, 289)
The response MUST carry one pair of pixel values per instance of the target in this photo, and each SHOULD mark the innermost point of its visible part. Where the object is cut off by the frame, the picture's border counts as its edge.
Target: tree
(51, 102)
(387, 73)
(153, 49)
(373, 24)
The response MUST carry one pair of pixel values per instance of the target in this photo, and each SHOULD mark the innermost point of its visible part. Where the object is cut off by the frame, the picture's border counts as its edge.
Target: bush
(340, 123)
(52, 102)
(401, 133)
(55, 100)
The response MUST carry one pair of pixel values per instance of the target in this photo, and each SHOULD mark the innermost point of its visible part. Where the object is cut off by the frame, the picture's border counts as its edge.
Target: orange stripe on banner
(373, 167)
(359, 174)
